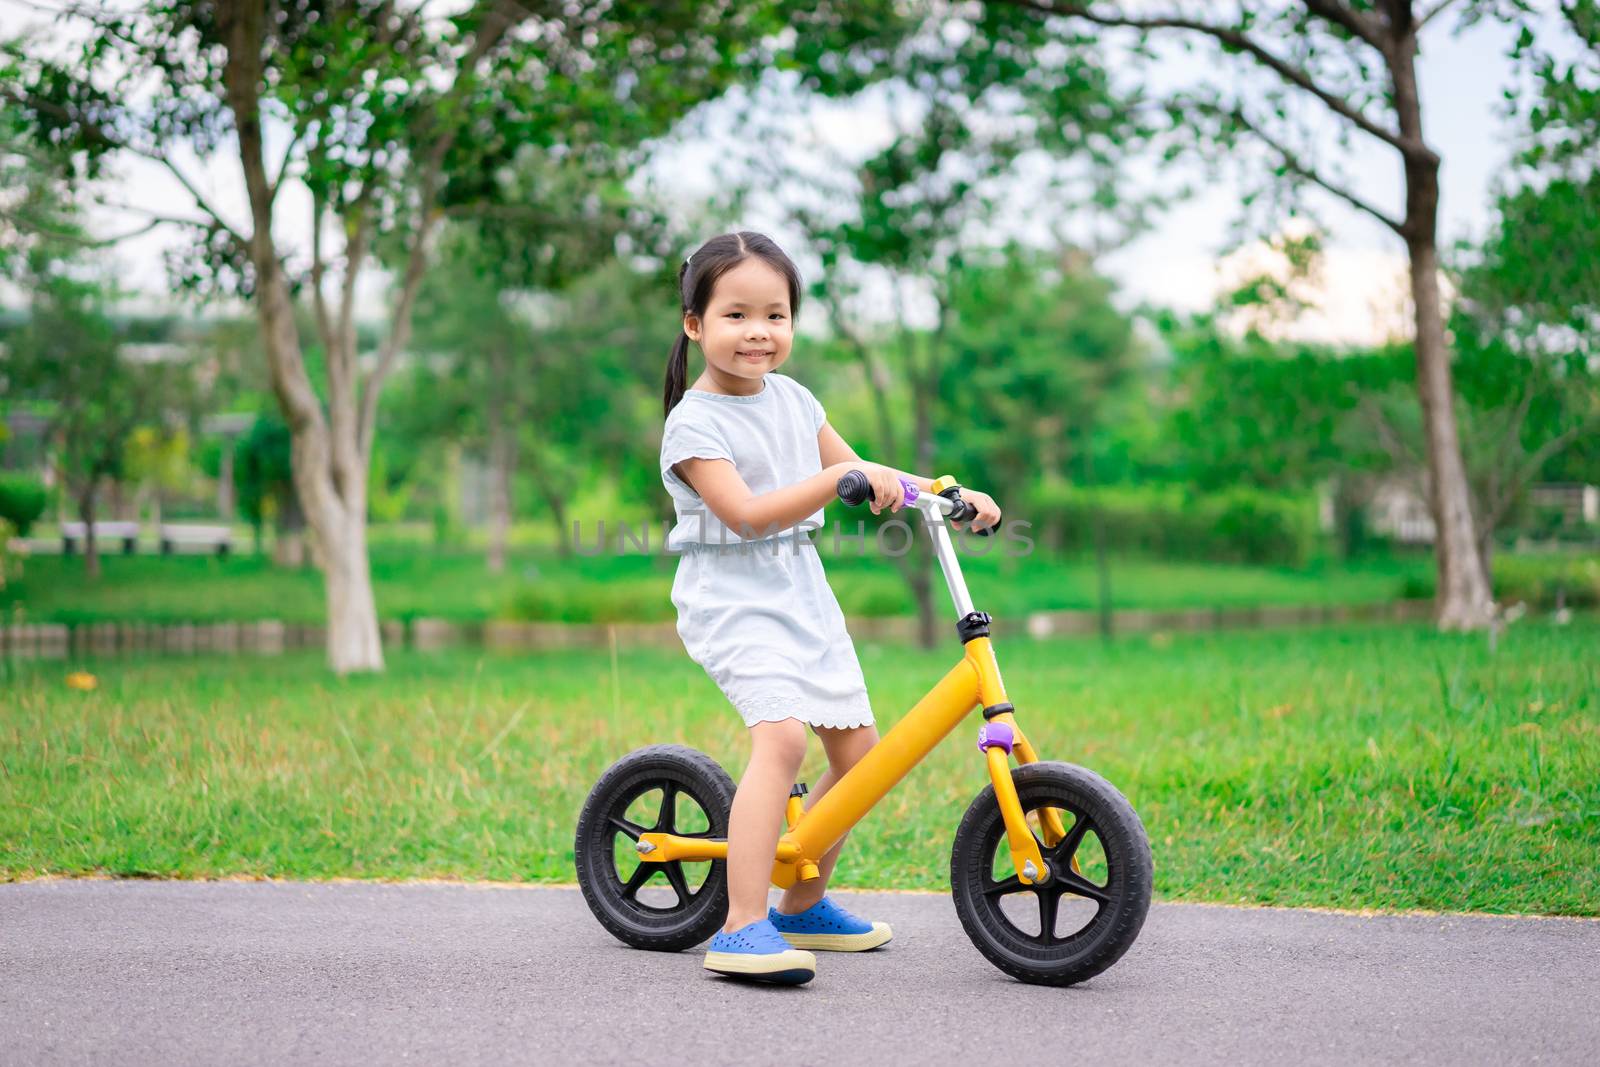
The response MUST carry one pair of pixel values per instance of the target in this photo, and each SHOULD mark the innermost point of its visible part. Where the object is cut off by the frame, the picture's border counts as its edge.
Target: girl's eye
(735, 314)
(777, 315)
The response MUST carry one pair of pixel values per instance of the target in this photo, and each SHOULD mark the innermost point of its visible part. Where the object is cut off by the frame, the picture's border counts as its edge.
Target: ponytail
(678, 362)
(696, 278)
(677, 372)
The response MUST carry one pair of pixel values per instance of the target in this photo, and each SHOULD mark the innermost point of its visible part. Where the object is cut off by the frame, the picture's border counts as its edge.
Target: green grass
(1389, 768)
(416, 581)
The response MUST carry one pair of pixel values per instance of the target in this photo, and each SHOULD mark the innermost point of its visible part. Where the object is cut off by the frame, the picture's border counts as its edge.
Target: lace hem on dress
(842, 714)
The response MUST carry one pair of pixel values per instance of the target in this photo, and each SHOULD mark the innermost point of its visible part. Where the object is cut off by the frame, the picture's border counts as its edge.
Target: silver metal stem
(934, 511)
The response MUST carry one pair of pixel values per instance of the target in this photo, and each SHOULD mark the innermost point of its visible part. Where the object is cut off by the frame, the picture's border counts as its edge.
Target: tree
(264, 479)
(964, 104)
(389, 117)
(1043, 359)
(1357, 62)
(67, 355)
(496, 280)
(1528, 324)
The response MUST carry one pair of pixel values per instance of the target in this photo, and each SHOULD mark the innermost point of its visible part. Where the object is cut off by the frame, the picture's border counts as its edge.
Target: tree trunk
(289, 534)
(91, 552)
(329, 463)
(558, 512)
(921, 555)
(1102, 566)
(1462, 600)
(502, 459)
(354, 641)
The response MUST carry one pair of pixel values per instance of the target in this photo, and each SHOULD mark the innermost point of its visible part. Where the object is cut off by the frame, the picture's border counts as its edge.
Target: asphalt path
(264, 972)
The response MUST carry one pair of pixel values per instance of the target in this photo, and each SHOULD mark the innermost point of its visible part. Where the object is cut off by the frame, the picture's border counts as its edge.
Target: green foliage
(388, 496)
(1542, 582)
(10, 565)
(1276, 415)
(1041, 369)
(22, 500)
(1238, 524)
(263, 476)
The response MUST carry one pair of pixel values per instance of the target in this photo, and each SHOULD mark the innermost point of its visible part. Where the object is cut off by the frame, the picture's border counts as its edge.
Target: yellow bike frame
(973, 682)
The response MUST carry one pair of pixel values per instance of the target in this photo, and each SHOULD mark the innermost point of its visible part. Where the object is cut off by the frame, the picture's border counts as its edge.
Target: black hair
(698, 277)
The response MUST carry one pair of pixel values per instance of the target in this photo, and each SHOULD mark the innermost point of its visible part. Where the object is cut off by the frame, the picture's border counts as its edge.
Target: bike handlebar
(854, 488)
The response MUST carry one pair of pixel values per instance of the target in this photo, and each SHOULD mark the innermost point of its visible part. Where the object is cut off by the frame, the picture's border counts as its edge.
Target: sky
(1360, 298)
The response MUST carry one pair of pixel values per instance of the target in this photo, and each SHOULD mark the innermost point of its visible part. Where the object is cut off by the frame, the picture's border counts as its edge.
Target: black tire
(697, 912)
(1121, 902)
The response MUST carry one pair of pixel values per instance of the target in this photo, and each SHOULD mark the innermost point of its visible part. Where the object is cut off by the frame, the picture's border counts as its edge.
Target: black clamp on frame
(973, 624)
(799, 790)
(998, 709)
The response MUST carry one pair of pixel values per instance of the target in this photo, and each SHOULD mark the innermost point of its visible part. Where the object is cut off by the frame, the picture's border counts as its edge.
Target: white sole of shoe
(878, 935)
(793, 966)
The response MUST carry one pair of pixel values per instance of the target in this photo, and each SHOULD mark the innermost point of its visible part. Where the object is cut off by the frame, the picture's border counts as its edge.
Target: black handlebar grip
(968, 512)
(854, 488)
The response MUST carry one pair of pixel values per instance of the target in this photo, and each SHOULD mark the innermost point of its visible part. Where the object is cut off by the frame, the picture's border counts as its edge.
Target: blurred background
(1146, 279)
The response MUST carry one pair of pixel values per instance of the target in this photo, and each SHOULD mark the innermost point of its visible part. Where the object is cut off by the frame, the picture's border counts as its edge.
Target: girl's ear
(691, 326)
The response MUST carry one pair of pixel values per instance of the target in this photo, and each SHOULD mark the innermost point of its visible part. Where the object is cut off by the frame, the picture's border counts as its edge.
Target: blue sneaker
(827, 926)
(758, 951)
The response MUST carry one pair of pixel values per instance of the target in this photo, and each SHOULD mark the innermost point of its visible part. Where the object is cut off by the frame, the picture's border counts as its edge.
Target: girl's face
(747, 329)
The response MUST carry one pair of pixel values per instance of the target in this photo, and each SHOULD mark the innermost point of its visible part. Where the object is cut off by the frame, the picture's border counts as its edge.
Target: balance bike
(1050, 869)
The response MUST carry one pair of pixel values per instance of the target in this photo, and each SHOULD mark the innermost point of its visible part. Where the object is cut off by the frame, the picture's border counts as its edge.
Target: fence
(272, 637)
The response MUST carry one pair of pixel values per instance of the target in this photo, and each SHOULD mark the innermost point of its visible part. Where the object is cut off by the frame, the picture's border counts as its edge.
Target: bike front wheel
(1090, 910)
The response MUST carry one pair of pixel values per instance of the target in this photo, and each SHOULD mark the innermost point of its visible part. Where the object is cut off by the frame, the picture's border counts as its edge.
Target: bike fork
(997, 738)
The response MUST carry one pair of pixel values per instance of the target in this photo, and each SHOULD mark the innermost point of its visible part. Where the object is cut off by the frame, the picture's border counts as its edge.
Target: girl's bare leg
(845, 749)
(776, 752)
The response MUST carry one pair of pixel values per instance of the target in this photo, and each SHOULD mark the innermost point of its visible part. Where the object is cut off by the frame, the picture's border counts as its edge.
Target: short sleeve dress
(757, 612)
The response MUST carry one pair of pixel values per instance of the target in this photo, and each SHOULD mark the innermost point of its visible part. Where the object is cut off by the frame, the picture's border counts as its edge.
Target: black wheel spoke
(667, 820)
(680, 886)
(1078, 885)
(641, 875)
(633, 830)
(1049, 897)
(1067, 847)
(1009, 885)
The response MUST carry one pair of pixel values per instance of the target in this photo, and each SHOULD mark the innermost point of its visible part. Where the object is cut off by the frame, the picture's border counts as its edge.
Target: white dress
(757, 613)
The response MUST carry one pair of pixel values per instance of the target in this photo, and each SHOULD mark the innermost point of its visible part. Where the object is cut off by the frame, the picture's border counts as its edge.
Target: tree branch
(319, 269)
(1238, 40)
(200, 200)
(497, 22)
(1431, 13)
(283, 168)
(1360, 23)
(23, 224)
(1292, 163)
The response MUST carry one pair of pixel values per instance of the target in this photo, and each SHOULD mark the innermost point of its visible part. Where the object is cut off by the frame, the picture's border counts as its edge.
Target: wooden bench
(175, 535)
(72, 533)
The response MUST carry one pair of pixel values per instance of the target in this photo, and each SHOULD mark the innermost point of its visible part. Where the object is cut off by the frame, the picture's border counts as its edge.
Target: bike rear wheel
(661, 906)
(1077, 923)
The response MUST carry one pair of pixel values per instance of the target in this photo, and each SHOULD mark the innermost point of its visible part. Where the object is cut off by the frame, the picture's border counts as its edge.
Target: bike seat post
(796, 806)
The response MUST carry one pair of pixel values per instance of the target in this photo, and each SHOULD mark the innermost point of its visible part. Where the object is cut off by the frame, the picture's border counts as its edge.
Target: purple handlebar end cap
(911, 491)
(996, 734)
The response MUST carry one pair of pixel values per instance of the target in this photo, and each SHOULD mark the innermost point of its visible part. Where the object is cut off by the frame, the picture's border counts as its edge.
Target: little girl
(748, 456)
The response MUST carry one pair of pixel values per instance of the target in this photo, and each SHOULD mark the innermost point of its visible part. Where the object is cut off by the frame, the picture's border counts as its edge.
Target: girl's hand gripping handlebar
(855, 487)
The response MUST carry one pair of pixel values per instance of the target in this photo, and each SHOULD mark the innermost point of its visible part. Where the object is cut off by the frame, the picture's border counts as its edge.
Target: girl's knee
(845, 747)
(783, 741)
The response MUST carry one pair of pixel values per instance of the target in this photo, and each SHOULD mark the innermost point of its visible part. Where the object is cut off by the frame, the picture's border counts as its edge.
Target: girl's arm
(835, 449)
(728, 497)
